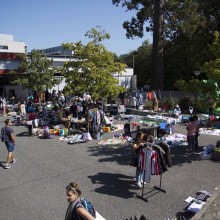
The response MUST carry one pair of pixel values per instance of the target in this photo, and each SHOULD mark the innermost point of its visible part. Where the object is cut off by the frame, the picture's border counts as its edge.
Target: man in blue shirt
(9, 142)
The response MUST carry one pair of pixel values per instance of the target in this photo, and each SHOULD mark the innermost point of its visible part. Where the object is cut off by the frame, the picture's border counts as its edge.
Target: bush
(185, 102)
(168, 103)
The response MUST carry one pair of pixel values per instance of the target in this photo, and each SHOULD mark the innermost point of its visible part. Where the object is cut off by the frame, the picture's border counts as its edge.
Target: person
(191, 133)
(137, 146)
(73, 109)
(75, 210)
(155, 104)
(190, 110)
(149, 138)
(212, 105)
(198, 126)
(22, 107)
(134, 102)
(177, 111)
(61, 99)
(9, 142)
(3, 105)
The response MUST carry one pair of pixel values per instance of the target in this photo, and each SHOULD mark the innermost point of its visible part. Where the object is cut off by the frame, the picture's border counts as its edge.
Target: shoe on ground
(7, 166)
(14, 160)
(139, 184)
(144, 183)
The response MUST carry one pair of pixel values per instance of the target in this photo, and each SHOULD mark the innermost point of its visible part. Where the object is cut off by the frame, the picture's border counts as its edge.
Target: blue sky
(48, 23)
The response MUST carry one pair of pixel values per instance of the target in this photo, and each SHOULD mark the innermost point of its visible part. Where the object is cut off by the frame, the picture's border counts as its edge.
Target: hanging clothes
(167, 155)
(98, 117)
(154, 94)
(148, 163)
(149, 95)
(140, 99)
(161, 159)
(145, 163)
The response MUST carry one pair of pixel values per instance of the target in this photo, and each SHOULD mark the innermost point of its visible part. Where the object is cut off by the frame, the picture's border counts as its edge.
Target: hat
(177, 106)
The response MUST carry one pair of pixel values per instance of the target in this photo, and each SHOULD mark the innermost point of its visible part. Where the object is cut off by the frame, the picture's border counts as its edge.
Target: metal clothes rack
(154, 188)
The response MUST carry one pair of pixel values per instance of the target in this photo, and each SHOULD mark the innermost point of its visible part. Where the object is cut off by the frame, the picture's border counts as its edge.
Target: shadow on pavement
(1, 164)
(113, 184)
(22, 134)
(120, 154)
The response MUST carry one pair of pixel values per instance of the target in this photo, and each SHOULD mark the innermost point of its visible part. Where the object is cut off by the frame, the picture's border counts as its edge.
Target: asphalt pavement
(34, 188)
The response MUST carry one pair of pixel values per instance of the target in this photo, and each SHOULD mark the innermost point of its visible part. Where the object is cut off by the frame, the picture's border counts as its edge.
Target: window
(3, 47)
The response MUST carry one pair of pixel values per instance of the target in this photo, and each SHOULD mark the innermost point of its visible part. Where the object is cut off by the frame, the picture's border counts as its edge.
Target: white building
(10, 59)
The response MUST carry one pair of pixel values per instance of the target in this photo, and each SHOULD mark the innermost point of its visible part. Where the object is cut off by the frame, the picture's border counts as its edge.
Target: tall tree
(191, 30)
(188, 23)
(35, 72)
(93, 69)
(151, 12)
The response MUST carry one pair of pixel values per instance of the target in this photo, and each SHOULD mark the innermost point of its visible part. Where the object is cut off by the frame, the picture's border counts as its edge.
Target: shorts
(10, 146)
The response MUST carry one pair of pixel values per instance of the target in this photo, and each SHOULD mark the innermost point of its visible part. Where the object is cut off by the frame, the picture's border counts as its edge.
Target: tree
(208, 88)
(188, 35)
(151, 11)
(35, 72)
(93, 69)
(212, 70)
(141, 61)
(187, 24)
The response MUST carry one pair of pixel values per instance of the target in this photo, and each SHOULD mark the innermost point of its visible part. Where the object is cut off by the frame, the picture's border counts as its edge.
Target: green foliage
(212, 68)
(185, 102)
(93, 69)
(210, 87)
(35, 72)
(189, 28)
(169, 102)
(141, 60)
(205, 89)
(189, 87)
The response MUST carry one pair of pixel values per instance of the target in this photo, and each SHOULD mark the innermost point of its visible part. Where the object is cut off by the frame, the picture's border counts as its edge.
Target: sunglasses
(69, 188)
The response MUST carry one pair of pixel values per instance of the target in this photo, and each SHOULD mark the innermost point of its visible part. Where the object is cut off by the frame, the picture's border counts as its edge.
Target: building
(10, 58)
(59, 50)
(59, 55)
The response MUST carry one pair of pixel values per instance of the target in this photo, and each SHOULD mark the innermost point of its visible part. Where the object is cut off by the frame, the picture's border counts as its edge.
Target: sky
(43, 24)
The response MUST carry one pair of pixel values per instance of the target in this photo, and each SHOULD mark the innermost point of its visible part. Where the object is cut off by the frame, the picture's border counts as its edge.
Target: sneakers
(7, 166)
(139, 184)
(14, 160)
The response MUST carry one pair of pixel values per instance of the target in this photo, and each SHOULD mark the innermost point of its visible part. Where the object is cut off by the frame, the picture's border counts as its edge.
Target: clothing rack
(154, 188)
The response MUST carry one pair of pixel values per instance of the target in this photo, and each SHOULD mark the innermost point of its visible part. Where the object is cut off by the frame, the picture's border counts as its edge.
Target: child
(75, 210)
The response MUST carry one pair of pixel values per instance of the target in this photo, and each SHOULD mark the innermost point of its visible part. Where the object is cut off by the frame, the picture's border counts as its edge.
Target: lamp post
(196, 73)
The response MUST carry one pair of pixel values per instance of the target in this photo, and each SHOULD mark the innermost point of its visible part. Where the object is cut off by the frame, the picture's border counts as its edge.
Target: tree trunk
(158, 44)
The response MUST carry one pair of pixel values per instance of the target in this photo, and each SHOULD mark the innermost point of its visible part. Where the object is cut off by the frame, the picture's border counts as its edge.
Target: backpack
(3, 134)
(88, 206)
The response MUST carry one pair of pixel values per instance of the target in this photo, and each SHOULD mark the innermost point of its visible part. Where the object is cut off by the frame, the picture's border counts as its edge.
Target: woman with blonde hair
(76, 210)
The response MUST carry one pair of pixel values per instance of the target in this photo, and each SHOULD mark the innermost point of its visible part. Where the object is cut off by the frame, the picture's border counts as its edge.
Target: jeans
(10, 146)
(139, 175)
(191, 143)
